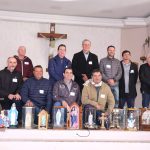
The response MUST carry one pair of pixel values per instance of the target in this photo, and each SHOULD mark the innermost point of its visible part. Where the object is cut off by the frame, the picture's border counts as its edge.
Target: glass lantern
(90, 118)
(59, 117)
(28, 117)
(132, 119)
(117, 118)
(145, 119)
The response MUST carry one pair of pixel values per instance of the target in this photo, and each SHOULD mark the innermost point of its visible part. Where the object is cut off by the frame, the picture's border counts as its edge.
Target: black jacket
(10, 83)
(144, 75)
(81, 66)
(133, 76)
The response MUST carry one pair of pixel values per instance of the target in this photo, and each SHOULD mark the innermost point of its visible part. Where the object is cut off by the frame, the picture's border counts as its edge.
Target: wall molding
(73, 20)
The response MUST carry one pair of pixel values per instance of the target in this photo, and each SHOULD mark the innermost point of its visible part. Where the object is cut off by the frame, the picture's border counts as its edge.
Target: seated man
(36, 91)
(66, 91)
(10, 84)
(96, 94)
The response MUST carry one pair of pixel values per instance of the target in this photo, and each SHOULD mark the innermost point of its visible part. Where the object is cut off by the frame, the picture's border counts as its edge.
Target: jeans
(36, 112)
(145, 99)
(115, 91)
(130, 102)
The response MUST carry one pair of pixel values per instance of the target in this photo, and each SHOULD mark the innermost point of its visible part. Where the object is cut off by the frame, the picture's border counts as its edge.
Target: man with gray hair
(144, 76)
(83, 63)
(24, 63)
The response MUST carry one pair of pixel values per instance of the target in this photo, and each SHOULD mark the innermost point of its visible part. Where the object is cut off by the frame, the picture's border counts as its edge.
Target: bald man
(10, 84)
(24, 63)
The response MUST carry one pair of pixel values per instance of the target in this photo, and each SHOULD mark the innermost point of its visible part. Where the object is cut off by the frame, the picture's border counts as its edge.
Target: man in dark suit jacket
(127, 83)
(83, 63)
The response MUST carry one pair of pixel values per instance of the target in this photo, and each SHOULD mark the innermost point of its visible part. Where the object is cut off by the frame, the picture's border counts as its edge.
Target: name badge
(108, 66)
(90, 63)
(72, 93)
(14, 80)
(102, 96)
(132, 71)
(41, 91)
(26, 63)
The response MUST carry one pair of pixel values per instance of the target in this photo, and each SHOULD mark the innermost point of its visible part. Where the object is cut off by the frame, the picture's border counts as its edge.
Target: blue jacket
(37, 91)
(56, 68)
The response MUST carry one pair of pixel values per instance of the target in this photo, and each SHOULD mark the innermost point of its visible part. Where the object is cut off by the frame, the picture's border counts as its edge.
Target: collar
(111, 58)
(67, 82)
(85, 53)
(93, 83)
(125, 63)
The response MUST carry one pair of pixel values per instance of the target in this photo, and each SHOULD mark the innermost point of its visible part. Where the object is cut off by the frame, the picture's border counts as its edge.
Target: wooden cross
(52, 36)
(103, 118)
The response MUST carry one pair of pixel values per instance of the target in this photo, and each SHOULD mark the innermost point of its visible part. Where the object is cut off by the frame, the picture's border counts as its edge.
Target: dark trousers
(145, 99)
(126, 99)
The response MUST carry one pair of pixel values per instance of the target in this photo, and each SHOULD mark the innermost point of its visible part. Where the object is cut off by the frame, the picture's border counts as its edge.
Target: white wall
(14, 34)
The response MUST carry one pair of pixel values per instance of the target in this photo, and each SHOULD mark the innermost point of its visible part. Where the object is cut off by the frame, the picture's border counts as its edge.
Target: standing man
(66, 91)
(10, 85)
(144, 75)
(127, 83)
(36, 91)
(83, 63)
(24, 63)
(111, 72)
(96, 94)
(57, 65)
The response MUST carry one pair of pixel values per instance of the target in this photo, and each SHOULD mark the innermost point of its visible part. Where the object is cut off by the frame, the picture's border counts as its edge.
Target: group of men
(103, 86)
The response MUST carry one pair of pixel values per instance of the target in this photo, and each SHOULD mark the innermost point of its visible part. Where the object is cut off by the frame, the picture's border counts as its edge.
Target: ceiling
(117, 9)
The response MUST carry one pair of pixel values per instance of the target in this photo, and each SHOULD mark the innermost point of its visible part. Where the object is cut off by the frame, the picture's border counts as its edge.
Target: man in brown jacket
(96, 94)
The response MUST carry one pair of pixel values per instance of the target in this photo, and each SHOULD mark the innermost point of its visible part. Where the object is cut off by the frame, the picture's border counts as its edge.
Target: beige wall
(133, 39)
(149, 30)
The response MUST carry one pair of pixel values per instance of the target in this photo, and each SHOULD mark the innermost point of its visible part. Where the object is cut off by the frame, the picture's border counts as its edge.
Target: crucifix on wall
(52, 36)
